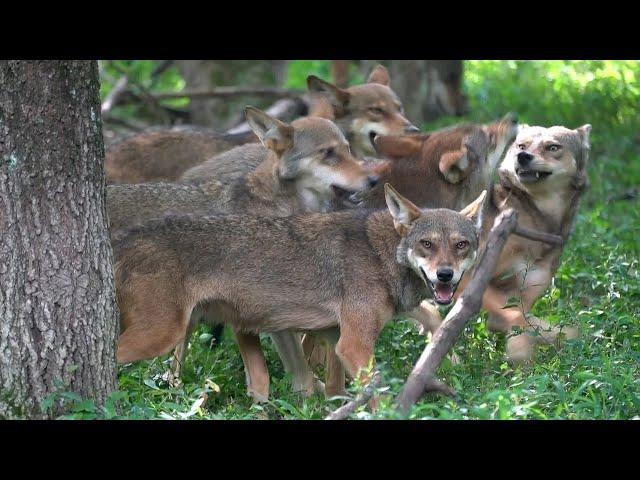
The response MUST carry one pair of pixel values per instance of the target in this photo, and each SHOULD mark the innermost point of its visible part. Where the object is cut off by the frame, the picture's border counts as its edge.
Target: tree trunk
(428, 88)
(222, 114)
(58, 314)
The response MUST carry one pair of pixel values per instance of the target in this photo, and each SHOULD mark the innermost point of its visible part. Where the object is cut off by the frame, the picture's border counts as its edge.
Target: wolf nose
(445, 274)
(373, 180)
(524, 158)
(411, 129)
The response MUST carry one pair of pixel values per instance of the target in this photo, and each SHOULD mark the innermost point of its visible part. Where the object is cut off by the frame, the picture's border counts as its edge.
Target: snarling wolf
(542, 177)
(354, 270)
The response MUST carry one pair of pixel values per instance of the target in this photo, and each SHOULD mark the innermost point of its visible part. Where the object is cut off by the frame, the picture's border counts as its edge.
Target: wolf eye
(328, 152)
(425, 243)
(377, 111)
(462, 244)
(554, 148)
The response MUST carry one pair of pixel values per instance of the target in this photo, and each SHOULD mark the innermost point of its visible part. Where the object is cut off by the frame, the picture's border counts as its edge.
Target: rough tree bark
(58, 314)
(428, 88)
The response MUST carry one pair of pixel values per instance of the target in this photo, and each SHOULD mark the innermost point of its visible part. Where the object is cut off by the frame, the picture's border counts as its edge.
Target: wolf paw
(519, 349)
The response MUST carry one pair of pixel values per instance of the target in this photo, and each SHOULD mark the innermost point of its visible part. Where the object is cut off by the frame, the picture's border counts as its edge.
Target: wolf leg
(289, 349)
(427, 316)
(334, 370)
(314, 351)
(519, 347)
(355, 351)
(180, 353)
(255, 366)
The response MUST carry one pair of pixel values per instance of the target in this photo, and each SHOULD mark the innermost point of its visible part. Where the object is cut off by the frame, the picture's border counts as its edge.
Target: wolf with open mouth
(442, 255)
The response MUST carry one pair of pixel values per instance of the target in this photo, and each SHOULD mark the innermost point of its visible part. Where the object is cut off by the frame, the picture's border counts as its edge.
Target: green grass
(597, 287)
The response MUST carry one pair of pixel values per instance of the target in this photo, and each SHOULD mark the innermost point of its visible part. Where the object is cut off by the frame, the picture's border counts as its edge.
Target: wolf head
(439, 245)
(363, 111)
(313, 153)
(546, 161)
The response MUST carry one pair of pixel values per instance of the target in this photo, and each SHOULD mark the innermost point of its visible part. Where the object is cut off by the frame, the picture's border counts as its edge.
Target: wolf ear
(379, 75)
(404, 212)
(584, 132)
(474, 209)
(338, 97)
(399, 146)
(274, 134)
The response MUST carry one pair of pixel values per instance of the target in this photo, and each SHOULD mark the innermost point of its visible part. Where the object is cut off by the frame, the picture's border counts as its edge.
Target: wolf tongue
(443, 291)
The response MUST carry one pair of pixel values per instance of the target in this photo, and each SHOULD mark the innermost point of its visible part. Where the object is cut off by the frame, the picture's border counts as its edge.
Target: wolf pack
(320, 231)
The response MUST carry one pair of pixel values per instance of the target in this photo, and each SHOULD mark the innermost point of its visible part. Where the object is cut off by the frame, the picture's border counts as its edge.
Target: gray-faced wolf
(353, 270)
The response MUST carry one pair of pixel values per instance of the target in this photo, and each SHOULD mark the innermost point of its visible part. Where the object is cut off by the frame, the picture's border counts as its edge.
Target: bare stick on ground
(423, 377)
(363, 397)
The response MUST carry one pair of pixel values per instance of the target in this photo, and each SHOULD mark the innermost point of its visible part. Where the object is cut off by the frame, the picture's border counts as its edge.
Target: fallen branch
(231, 92)
(363, 397)
(423, 377)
